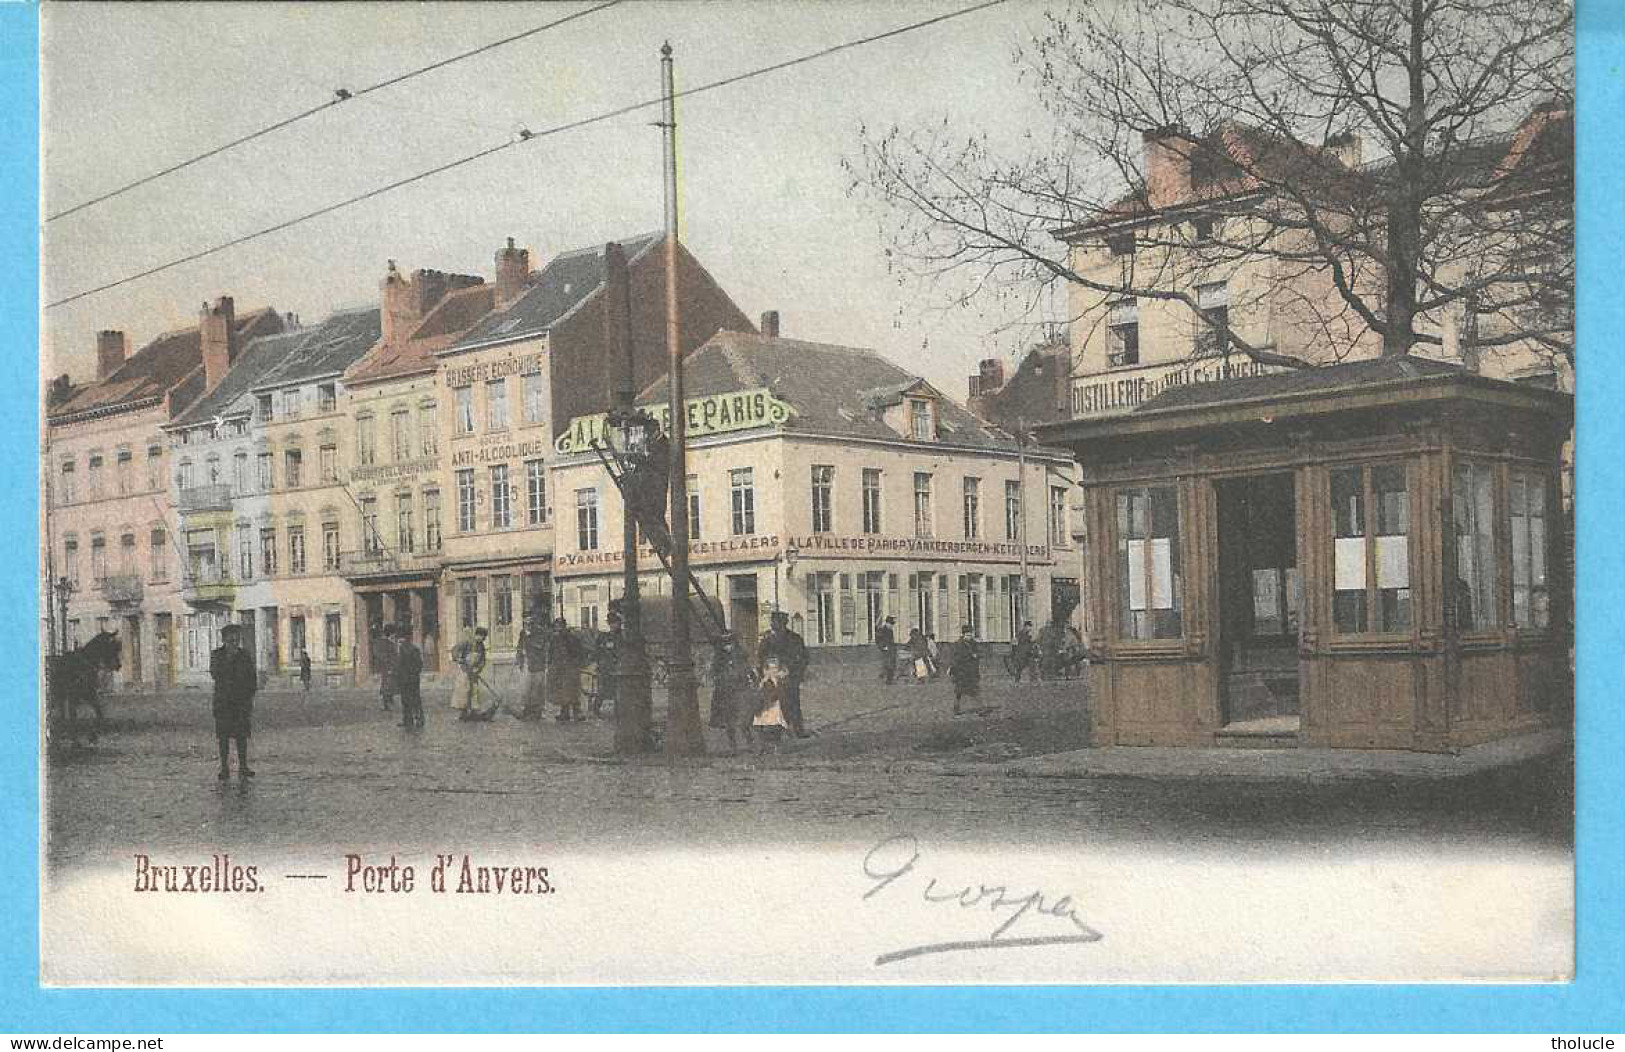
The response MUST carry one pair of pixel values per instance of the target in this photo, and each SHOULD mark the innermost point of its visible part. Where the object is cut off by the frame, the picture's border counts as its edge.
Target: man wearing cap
(235, 682)
(409, 679)
(532, 658)
(886, 640)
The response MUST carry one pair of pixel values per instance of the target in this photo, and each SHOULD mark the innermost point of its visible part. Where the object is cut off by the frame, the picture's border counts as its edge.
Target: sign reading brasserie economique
(707, 415)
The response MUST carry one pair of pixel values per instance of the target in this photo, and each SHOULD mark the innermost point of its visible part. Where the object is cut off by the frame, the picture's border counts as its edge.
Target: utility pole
(632, 704)
(684, 734)
(1021, 497)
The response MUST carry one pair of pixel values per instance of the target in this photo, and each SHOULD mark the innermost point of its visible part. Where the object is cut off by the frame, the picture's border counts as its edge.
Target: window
(742, 491)
(1531, 601)
(268, 550)
(296, 549)
(400, 430)
(1213, 336)
(1371, 552)
(264, 465)
(970, 604)
(821, 608)
(465, 410)
(1057, 516)
(535, 493)
(922, 504)
(692, 488)
(184, 474)
(431, 520)
(465, 500)
(126, 554)
(366, 451)
(122, 471)
(371, 540)
(1123, 333)
(158, 558)
(823, 511)
(587, 519)
(70, 560)
(871, 500)
(214, 468)
(496, 405)
(531, 391)
(973, 508)
(326, 398)
(428, 437)
(332, 637)
(330, 546)
(502, 611)
(265, 412)
(155, 467)
(468, 604)
(65, 495)
(328, 463)
(245, 552)
(292, 461)
(1472, 593)
(405, 535)
(291, 403)
(921, 423)
(93, 477)
(296, 635)
(1149, 583)
(501, 505)
(239, 474)
(1121, 244)
(1202, 229)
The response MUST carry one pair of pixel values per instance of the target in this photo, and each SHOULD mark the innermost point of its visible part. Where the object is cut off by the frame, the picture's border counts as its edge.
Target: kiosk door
(1259, 599)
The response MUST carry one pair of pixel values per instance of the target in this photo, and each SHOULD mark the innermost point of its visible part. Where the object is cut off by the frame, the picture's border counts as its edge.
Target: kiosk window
(1150, 587)
(1472, 592)
(1371, 588)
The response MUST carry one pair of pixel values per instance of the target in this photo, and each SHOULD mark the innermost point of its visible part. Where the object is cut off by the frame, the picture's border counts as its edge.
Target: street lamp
(631, 430)
(64, 588)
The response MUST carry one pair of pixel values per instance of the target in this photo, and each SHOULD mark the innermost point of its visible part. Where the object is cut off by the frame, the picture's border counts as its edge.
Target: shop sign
(826, 545)
(1122, 390)
(498, 451)
(707, 415)
(730, 549)
(493, 369)
(391, 472)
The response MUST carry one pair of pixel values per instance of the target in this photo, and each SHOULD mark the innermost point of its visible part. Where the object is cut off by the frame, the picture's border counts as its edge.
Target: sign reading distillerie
(1118, 392)
(707, 415)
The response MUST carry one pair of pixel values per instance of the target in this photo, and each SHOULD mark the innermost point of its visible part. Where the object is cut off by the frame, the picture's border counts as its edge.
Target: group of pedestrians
(761, 697)
(400, 673)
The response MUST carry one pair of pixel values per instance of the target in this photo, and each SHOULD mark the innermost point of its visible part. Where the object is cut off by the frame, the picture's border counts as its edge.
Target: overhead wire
(340, 96)
(523, 136)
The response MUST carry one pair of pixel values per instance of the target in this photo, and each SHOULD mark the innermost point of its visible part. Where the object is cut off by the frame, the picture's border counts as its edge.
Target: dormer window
(1121, 244)
(922, 421)
(266, 412)
(1202, 229)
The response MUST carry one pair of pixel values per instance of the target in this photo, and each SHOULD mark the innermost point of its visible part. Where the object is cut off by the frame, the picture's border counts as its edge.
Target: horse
(75, 679)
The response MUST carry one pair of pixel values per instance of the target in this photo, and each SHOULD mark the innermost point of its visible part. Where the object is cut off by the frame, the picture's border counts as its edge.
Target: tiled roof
(1388, 369)
(253, 362)
(329, 348)
(833, 390)
(156, 368)
(556, 290)
(451, 316)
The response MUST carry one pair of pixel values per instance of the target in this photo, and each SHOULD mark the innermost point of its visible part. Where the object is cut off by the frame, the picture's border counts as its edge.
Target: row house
(109, 523)
(830, 483)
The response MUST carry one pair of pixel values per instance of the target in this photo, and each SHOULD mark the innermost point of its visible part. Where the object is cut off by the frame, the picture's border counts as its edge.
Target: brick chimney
(1347, 148)
(1167, 165)
(512, 273)
(405, 302)
(990, 373)
(217, 332)
(770, 323)
(111, 350)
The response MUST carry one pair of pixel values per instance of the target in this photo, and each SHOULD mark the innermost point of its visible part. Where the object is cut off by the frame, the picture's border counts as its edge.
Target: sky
(765, 203)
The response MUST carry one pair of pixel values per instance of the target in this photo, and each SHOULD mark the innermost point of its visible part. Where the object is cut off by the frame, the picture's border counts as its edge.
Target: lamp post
(632, 428)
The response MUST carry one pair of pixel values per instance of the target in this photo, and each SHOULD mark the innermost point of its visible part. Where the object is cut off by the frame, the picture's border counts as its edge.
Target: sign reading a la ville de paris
(707, 415)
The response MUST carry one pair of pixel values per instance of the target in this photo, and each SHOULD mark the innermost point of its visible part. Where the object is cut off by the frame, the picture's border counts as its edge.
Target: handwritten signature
(896, 857)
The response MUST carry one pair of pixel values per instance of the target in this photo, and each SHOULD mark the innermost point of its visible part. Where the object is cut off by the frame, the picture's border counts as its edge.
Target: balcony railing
(216, 496)
(208, 585)
(370, 563)
(122, 588)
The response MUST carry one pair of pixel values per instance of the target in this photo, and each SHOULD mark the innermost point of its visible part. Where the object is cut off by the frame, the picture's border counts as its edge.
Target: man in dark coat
(532, 657)
(886, 640)
(965, 669)
(235, 682)
(607, 656)
(385, 661)
(409, 679)
(784, 643)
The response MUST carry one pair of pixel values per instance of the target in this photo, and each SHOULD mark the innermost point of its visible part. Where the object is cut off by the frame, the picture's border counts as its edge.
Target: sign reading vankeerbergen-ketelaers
(707, 415)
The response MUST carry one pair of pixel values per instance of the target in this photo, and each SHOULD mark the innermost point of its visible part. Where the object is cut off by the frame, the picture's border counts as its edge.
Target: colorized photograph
(614, 494)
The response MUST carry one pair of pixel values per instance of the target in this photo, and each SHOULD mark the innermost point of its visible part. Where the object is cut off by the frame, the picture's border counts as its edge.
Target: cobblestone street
(336, 771)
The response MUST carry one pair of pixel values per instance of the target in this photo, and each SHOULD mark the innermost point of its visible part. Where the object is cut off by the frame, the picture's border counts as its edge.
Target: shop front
(1360, 556)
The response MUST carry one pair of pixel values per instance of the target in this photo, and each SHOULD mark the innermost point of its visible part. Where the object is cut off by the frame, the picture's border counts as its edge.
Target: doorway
(163, 645)
(1260, 596)
(744, 616)
(132, 651)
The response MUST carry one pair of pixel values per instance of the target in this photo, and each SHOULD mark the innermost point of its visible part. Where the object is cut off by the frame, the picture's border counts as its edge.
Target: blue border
(1593, 1002)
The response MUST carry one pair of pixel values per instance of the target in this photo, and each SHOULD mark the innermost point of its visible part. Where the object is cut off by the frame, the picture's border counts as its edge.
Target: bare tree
(1403, 166)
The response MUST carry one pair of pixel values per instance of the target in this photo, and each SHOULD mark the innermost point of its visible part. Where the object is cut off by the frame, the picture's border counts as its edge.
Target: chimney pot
(111, 350)
(512, 273)
(770, 323)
